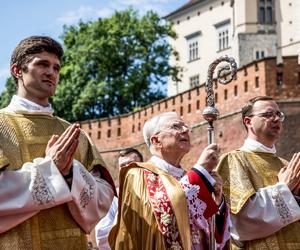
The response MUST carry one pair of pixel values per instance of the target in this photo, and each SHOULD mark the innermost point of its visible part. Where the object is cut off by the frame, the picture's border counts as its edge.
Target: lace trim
(196, 209)
(40, 191)
(88, 190)
(283, 210)
(163, 210)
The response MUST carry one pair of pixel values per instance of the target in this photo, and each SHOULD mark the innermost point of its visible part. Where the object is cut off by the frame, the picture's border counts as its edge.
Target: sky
(20, 19)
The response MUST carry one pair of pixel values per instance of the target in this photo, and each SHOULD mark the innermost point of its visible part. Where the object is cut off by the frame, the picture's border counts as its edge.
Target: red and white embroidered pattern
(163, 210)
(196, 209)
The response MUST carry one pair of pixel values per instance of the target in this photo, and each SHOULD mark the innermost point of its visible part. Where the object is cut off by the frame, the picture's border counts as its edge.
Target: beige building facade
(247, 30)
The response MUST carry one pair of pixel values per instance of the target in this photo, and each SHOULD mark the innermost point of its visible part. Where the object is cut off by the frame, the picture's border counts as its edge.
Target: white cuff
(206, 174)
(285, 203)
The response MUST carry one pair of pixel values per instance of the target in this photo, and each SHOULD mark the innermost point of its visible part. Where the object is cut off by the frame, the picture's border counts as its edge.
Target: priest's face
(174, 137)
(266, 122)
(39, 80)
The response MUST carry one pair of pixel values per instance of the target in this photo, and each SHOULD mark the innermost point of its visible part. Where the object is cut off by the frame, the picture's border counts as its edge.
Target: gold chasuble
(140, 223)
(23, 138)
(243, 173)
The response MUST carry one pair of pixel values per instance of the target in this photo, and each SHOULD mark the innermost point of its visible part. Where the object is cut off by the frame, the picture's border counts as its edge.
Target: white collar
(178, 173)
(19, 104)
(255, 146)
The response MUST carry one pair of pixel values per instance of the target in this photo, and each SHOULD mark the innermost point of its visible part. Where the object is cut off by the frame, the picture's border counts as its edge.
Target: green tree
(114, 65)
(6, 95)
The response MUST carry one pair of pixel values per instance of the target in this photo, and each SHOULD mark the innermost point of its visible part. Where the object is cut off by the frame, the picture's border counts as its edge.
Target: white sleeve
(37, 185)
(104, 226)
(92, 197)
(266, 212)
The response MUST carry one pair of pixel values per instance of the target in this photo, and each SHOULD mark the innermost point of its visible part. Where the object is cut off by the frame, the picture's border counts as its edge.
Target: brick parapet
(121, 131)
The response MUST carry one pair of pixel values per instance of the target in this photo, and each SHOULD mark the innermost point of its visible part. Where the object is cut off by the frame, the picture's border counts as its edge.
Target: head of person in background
(263, 120)
(129, 155)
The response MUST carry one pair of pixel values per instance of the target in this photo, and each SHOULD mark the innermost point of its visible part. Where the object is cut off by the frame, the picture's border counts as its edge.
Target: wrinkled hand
(209, 157)
(217, 187)
(62, 148)
(290, 174)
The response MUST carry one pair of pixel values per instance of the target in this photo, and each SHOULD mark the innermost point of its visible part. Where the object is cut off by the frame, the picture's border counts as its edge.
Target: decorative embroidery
(88, 190)
(40, 192)
(282, 208)
(163, 210)
(196, 210)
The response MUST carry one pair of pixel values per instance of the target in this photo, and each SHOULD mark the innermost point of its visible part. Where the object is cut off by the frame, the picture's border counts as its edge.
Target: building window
(216, 97)
(119, 131)
(166, 104)
(99, 135)
(235, 90)
(181, 111)
(99, 124)
(279, 78)
(223, 34)
(198, 104)
(193, 46)
(189, 108)
(108, 133)
(246, 86)
(225, 94)
(109, 122)
(119, 121)
(139, 126)
(132, 130)
(194, 81)
(266, 11)
(259, 54)
(256, 82)
(193, 51)
(90, 125)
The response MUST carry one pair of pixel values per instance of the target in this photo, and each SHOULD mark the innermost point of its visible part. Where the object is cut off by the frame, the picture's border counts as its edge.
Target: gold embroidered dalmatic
(136, 226)
(243, 174)
(23, 138)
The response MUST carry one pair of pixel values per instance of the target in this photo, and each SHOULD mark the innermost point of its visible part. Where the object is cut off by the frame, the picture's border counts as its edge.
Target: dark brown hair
(29, 46)
(248, 107)
(128, 151)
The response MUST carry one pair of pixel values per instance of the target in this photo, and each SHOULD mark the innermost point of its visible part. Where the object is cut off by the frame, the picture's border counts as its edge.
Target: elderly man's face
(174, 136)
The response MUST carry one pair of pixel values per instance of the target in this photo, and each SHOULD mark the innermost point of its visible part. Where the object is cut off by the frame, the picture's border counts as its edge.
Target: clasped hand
(290, 174)
(62, 148)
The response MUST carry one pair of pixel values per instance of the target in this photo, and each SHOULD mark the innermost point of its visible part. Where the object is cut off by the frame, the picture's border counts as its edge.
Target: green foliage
(6, 95)
(113, 65)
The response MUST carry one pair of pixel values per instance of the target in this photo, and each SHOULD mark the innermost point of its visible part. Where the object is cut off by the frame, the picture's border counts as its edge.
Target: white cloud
(88, 13)
(73, 16)
(105, 12)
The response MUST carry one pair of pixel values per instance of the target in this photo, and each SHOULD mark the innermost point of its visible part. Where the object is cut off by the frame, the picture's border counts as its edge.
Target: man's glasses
(271, 114)
(178, 127)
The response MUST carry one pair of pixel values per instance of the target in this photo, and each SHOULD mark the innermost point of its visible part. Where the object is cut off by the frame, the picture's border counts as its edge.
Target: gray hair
(154, 124)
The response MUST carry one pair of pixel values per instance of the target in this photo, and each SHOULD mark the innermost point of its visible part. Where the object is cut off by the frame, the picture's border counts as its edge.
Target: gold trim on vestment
(119, 233)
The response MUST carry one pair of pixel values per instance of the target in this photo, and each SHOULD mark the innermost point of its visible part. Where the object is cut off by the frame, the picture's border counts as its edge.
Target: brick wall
(263, 77)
